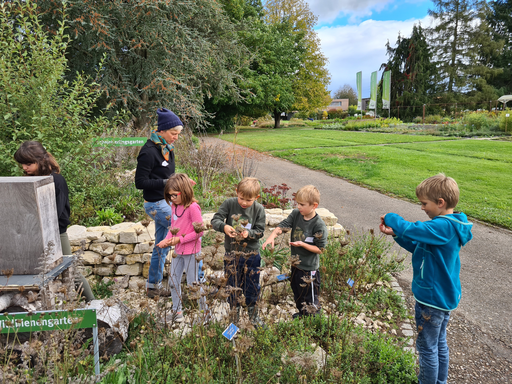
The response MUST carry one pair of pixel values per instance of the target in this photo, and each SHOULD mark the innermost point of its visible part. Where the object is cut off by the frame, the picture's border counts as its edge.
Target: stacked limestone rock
(124, 250)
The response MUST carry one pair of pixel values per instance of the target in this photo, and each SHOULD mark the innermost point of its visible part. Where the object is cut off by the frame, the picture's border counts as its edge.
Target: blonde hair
(249, 187)
(439, 187)
(180, 182)
(308, 194)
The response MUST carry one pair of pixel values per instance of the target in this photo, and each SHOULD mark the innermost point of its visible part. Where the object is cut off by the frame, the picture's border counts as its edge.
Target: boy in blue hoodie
(435, 247)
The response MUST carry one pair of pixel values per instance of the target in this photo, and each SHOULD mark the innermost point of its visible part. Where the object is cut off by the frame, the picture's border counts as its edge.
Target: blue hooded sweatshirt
(435, 247)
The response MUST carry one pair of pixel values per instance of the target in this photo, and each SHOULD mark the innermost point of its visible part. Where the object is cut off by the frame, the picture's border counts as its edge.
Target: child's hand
(267, 242)
(168, 242)
(245, 234)
(297, 243)
(164, 243)
(384, 228)
(229, 230)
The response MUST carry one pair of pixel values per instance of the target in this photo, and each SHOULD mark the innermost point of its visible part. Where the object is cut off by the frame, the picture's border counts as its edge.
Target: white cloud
(328, 10)
(362, 47)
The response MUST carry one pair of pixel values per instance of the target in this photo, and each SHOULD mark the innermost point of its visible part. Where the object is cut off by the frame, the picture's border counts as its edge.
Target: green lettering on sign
(120, 142)
(47, 321)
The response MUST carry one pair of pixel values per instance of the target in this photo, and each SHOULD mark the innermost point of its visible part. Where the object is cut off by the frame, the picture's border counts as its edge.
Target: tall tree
(267, 80)
(156, 53)
(500, 20)
(311, 81)
(460, 35)
(347, 92)
(411, 73)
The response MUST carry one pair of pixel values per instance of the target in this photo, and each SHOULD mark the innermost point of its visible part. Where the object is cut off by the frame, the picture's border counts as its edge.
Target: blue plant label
(230, 331)
(350, 282)
(282, 277)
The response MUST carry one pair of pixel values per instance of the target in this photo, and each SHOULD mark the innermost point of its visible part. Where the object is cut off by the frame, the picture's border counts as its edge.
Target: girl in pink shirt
(185, 235)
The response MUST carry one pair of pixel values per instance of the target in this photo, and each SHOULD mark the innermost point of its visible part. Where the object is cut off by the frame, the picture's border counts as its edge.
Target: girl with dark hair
(36, 161)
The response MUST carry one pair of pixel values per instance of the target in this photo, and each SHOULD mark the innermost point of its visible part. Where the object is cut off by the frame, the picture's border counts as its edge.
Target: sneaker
(174, 317)
(297, 315)
(162, 292)
(178, 317)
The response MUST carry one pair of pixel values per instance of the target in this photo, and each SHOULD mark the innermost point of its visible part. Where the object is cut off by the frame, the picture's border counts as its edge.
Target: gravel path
(480, 331)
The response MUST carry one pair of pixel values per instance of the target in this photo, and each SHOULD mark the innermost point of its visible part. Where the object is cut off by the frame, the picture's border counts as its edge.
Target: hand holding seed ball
(385, 229)
(168, 242)
(229, 230)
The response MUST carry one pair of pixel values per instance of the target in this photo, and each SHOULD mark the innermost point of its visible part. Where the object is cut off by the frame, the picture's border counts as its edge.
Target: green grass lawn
(482, 168)
(281, 139)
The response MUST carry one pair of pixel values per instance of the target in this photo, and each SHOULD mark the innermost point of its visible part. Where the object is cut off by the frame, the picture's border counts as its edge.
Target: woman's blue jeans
(434, 355)
(161, 213)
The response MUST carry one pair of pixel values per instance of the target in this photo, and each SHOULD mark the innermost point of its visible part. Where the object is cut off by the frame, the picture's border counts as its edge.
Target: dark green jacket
(255, 214)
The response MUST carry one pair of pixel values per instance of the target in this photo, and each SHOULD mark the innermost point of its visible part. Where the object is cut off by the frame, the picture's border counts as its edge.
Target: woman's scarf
(160, 141)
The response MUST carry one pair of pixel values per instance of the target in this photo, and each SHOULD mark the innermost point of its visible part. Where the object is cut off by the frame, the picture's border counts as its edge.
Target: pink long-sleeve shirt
(182, 218)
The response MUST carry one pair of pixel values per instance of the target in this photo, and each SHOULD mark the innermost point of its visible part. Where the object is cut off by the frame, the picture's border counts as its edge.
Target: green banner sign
(373, 90)
(47, 321)
(359, 83)
(386, 90)
(120, 142)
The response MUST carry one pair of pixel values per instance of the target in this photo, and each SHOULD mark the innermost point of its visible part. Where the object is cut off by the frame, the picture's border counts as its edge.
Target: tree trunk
(277, 119)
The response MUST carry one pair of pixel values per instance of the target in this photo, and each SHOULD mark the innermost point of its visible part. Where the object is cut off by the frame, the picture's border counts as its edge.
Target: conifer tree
(460, 39)
(411, 73)
(500, 20)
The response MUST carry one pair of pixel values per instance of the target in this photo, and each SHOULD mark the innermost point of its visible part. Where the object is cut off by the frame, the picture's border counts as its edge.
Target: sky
(354, 33)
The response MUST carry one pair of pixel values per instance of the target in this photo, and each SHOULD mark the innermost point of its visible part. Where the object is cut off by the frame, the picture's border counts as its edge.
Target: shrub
(352, 110)
(107, 216)
(361, 258)
(337, 114)
(302, 114)
(39, 104)
(276, 197)
(357, 125)
(477, 121)
(108, 193)
(433, 119)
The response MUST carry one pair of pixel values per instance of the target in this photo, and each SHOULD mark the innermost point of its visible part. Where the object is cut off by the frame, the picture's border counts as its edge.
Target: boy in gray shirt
(242, 219)
(308, 238)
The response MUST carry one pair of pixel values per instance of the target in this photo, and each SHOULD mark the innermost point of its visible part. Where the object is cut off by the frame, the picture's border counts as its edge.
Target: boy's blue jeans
(431, 344)
(244, 273)
(161, 213)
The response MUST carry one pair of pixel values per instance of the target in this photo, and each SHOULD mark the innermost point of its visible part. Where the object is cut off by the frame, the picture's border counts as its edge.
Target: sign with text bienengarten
(120, 142)
(47, 321)
(53, 321)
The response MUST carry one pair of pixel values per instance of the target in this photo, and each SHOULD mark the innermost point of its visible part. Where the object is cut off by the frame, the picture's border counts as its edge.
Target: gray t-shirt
(312, 231)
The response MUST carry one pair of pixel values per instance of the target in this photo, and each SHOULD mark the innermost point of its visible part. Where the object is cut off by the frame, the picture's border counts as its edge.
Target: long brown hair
(31, 152)
(180, 182)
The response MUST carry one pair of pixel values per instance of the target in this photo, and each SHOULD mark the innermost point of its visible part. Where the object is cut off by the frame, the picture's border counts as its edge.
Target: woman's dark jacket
(152, 171)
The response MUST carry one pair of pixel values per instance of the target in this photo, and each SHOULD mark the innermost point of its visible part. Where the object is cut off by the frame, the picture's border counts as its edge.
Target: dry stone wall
(123, 251)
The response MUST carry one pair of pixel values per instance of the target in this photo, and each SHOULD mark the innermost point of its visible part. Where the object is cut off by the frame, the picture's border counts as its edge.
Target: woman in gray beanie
(155, 164)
